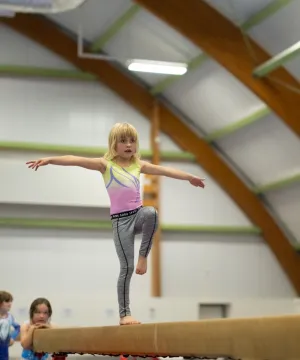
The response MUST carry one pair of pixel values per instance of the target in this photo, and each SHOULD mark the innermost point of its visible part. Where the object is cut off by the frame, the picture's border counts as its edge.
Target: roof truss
(225, 42)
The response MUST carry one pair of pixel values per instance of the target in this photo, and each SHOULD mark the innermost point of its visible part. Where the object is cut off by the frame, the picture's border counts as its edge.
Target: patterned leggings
(145, 221)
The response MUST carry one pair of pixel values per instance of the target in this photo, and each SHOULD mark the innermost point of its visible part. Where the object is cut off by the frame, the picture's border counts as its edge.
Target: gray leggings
(144, 221)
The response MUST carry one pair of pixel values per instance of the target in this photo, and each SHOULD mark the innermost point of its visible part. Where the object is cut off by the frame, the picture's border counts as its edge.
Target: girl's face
(126, 147)
(5, 306)
(41, 314)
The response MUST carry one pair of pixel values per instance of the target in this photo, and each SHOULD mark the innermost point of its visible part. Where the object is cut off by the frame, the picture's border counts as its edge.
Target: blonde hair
(119, 131)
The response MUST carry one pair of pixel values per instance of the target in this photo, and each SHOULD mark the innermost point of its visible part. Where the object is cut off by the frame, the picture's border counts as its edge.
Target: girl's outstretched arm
(70, 160)
(148, 168)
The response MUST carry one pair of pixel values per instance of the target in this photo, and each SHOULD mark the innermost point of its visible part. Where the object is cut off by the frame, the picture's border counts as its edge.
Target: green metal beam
(103, 39)
(106, 225)
(213, 229)
(87, 151)
(32, 71)
(277, 61)
(277, 184)
(55, 224)
(231, 128)
(254, 20)
(263, 14)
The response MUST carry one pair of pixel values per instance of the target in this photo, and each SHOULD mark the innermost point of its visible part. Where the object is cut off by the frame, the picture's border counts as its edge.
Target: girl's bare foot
(141, 267)
(128, 320)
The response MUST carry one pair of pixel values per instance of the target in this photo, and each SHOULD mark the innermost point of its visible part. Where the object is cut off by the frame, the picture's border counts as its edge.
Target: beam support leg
(156, 266)
(152, 198)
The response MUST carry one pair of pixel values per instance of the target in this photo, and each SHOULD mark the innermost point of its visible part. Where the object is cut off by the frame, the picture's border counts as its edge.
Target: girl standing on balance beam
(121, 167)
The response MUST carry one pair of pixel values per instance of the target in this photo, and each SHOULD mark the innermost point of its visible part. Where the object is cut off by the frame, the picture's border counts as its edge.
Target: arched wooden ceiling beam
(223, 41)
(50, 36)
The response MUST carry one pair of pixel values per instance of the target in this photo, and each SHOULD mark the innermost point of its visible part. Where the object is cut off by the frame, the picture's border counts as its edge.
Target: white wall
(192, 266)
(78, 270)
(287, 205)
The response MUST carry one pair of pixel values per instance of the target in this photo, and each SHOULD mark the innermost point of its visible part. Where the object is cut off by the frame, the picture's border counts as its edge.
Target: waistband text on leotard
(125, 213)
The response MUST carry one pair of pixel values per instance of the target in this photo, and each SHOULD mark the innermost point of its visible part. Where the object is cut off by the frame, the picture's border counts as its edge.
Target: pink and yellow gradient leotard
(123, 186)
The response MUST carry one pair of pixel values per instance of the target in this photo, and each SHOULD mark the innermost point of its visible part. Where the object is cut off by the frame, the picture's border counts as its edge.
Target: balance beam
(260, 338)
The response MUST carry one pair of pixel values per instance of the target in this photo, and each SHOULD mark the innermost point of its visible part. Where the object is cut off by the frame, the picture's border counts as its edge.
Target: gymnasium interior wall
(77, 269)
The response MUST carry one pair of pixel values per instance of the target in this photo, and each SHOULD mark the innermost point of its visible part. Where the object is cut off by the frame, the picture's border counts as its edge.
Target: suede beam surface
(272, 338)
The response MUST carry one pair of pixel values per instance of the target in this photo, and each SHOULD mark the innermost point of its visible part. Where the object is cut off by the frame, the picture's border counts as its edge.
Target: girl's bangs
(125, 132)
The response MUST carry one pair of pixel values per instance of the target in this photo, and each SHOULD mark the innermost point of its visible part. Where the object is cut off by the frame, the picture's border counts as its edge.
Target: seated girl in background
(39, 318)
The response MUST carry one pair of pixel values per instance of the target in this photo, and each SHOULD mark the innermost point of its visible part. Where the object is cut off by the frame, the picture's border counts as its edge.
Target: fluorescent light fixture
(157, 67)
(28, 3)
(40, 6)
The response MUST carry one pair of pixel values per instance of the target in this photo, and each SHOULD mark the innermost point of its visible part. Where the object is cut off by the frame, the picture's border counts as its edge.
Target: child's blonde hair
(119, 131)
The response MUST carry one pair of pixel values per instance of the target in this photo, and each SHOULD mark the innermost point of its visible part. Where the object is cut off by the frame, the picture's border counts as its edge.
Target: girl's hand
(198, 182)
(42, 326)
(35, 164)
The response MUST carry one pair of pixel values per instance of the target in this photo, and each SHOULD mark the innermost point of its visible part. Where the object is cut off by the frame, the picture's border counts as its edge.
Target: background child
(39, 318)
(7, 321)
(121, 168)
